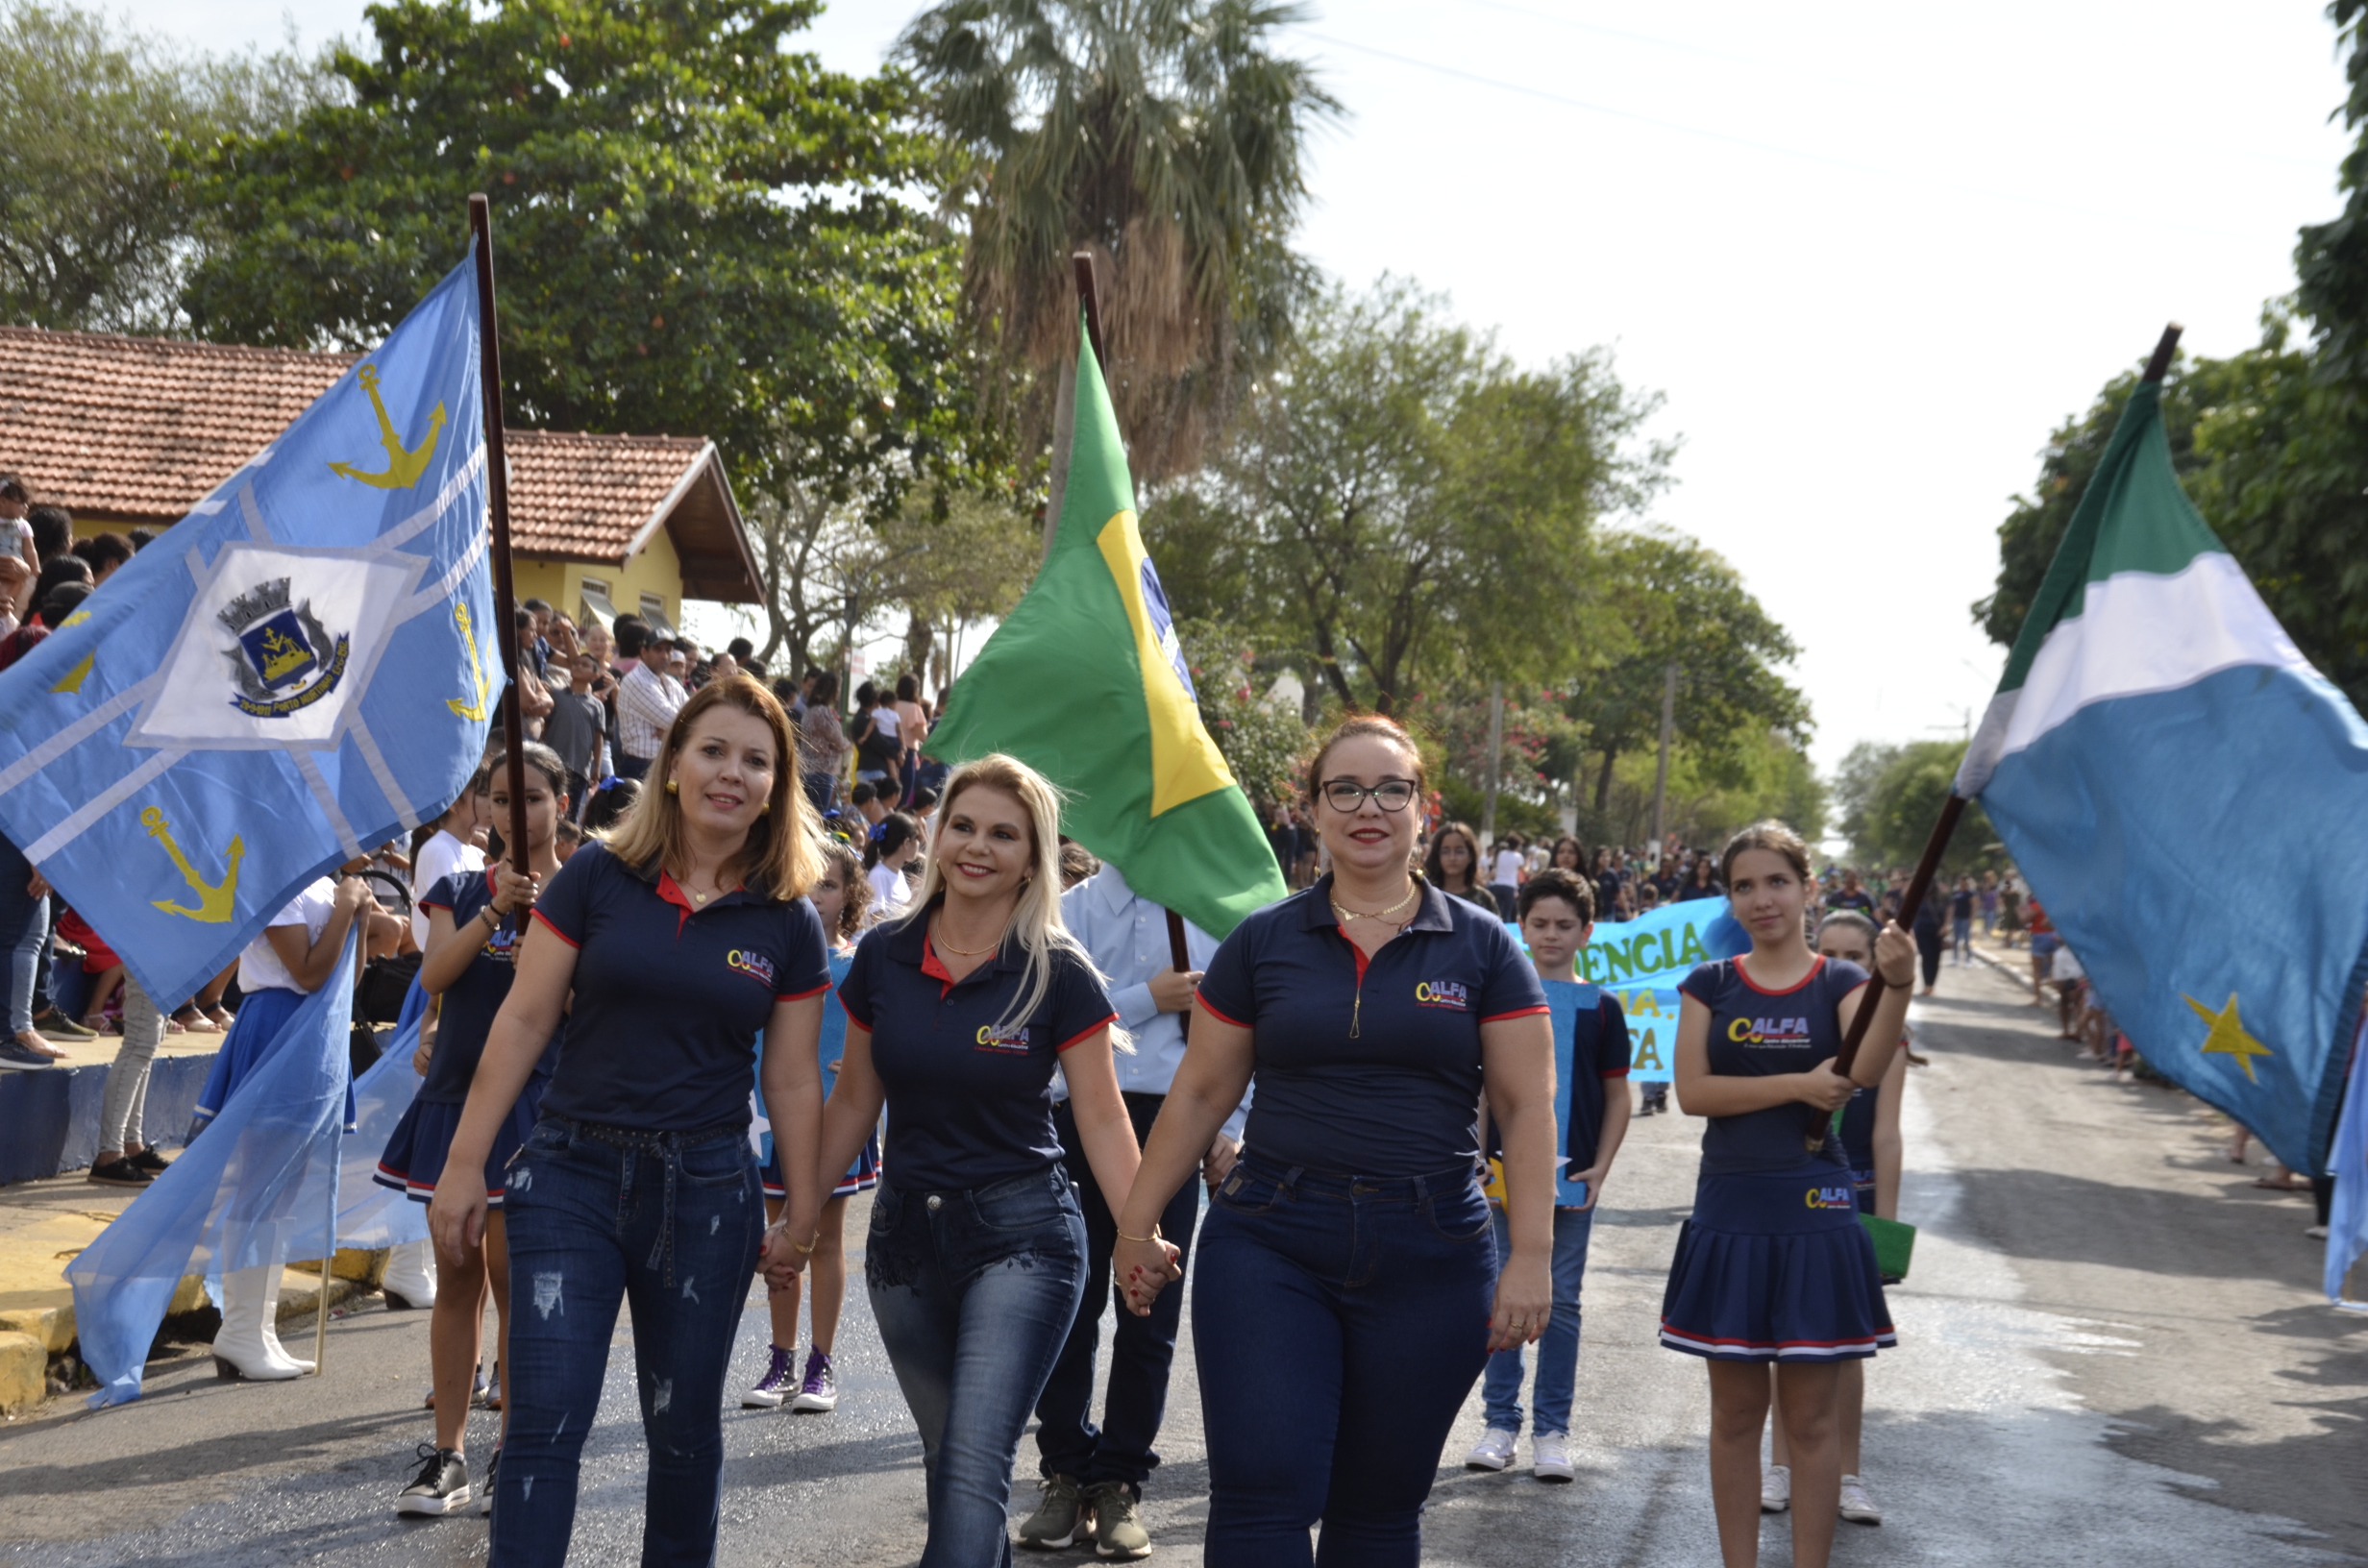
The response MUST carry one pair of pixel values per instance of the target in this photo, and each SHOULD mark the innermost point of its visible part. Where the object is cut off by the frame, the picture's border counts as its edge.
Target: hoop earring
(673, 788)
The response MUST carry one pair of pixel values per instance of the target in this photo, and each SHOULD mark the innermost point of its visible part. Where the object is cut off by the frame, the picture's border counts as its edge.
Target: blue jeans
(1557, 1348)
(24, 930)
(975, 1292)
(669, 1222)
(1339, 1323)
(1961, 930)
(1142, 1349)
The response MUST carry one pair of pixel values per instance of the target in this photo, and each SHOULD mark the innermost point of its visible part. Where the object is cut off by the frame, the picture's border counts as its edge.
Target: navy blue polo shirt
(670, 999)
(969, 1096)
(1756, 1033)
(1369, 1066)
(465, 1017)
(1600, 1055)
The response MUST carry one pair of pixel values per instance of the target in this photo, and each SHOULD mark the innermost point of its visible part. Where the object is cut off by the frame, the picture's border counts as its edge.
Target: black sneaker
(484, 1493)
(53, 1024)
(441, 1487)
(17, 1054)
(151, 1162)
(120, 1172)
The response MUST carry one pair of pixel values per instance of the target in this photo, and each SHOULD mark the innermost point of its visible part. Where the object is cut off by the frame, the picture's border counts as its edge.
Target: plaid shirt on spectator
(646, 703)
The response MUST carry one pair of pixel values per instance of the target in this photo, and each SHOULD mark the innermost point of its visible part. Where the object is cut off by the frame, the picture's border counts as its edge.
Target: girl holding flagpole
(1773, 1266)
(469, 961)
(667, 949)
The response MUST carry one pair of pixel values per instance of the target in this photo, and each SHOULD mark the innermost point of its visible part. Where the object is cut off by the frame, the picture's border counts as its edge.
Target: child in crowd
(894, 844)
(1558, 917)
(100, 962)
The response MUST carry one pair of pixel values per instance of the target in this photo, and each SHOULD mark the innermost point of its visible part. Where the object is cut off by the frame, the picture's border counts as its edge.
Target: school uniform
(1773, 1264)
(1600, 1056)
(1347, 1265)
(638, 1184)
(414, 1158)
(1856, 1130)
(268, 997)
(828, 1047)
(975, 1259)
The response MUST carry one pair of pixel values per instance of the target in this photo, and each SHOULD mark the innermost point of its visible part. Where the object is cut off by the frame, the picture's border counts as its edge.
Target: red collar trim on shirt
(934, 969)
(672, 894)
(1815, 964)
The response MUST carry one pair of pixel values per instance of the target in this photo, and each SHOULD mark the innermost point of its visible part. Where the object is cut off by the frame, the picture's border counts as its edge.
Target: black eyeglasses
(1346, 794)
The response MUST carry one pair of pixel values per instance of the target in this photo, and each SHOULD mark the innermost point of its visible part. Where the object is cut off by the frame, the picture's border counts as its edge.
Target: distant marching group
(583, 1141)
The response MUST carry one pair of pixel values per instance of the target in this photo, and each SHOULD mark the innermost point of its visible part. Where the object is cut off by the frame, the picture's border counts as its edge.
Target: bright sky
(1871, 254)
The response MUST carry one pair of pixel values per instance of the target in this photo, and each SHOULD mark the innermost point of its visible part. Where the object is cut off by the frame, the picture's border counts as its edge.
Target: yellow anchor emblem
(476, 668)
(402, 468)
(214, 899)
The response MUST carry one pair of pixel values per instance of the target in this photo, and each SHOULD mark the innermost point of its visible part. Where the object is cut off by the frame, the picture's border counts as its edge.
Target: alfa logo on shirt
(1769, 1031)
(1442, 993)
(994, 1037)
(1828, 1198)
(756, 966)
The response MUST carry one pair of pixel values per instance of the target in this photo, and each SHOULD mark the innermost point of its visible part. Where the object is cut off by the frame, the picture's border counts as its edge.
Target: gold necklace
(937, 935)
(1414, 895)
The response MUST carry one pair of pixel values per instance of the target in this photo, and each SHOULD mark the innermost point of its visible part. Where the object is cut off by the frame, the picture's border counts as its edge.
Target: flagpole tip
(2160, 364)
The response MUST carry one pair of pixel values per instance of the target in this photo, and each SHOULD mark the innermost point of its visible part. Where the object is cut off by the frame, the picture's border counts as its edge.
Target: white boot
(271, 1324)
(410, 1273)
(241, 1347)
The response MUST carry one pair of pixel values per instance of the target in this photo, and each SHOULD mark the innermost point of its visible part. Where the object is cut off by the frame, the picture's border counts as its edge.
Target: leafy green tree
(1264, 744)
(1667, 598)
(1403, 504)
(95, 233)
(697, 231)
(1889, 816)
(1167, 136)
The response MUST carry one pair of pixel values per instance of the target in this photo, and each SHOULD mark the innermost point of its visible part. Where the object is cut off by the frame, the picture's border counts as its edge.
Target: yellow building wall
(656, 571)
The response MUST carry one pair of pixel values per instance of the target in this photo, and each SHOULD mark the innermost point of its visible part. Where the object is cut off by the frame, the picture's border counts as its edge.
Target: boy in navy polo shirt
(1558, 917)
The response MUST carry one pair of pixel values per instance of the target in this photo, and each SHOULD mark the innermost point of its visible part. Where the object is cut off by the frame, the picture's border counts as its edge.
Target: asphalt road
(2112, 1350)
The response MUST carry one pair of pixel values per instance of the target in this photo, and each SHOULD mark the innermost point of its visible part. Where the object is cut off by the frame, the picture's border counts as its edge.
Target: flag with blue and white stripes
(301, 669)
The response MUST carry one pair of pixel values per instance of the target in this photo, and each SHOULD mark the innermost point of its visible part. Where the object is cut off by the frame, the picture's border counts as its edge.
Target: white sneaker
(1858, 1503)
(1549, 1458)
(1493, 1452)
(1776, 1489)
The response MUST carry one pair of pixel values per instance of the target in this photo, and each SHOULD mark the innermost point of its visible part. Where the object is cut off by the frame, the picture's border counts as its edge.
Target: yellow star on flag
(2227, 1034)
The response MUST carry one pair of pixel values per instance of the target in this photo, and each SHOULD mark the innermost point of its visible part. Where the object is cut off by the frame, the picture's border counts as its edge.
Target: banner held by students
(300, 670)
(1084, 681)
(1641, 962)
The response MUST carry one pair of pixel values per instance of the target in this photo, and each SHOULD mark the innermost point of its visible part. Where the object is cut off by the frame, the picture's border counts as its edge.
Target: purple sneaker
(775, 1386)
(821, 1391)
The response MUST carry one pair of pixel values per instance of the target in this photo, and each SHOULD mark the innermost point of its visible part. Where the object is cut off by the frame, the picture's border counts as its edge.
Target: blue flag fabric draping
(1642, 963)
(303, 668)
(370, 1217)
(2347, 1218)
(258, 1184)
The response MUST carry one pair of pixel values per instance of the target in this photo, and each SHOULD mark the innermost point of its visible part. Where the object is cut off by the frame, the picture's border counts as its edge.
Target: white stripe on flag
(310, 766)
(368, 744)
(79, 822)
(77, 732)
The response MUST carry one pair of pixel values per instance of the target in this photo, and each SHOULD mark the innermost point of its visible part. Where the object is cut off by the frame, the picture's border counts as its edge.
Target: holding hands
(1144, 1266)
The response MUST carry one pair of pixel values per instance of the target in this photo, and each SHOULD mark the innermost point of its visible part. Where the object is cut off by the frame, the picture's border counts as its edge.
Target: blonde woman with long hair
(667, 948)
(959, 1010)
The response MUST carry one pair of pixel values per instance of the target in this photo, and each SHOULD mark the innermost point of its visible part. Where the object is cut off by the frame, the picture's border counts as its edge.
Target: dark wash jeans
(1339, 1323)
(975, 1292)
(669, 1222)
(1142, 1349)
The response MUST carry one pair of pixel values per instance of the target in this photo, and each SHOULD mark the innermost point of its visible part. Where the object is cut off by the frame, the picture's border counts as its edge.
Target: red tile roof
(136, 429)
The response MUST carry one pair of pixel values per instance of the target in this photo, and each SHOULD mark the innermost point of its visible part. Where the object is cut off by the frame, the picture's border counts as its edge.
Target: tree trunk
(919, 637)
(1603, 783)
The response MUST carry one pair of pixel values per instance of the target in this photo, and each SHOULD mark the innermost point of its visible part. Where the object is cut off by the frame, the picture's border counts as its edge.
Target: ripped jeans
(669, 1222)
(975, 1292)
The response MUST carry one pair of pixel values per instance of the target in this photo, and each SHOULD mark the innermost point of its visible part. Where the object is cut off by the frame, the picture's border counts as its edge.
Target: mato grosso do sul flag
(2189, 799)
(1084, 682)
(298, 670)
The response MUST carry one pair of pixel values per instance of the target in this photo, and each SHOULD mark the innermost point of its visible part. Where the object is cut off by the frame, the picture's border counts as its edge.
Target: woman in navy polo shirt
(959, 1012)
(468, 964)
(681, 939)
(1344, 1308)
(1773, 1266)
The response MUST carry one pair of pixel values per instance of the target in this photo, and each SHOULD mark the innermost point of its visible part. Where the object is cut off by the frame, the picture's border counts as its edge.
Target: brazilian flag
(1085, 683)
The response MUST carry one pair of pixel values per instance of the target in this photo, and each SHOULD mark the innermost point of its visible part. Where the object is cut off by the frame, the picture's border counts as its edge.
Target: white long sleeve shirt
(1126, 936)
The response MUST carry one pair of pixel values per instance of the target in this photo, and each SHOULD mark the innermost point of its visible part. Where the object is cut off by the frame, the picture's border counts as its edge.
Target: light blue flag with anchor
(301, 669)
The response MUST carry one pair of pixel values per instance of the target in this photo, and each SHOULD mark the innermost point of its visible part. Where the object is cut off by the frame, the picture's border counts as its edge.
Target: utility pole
(1487, 788)
(1661, 771)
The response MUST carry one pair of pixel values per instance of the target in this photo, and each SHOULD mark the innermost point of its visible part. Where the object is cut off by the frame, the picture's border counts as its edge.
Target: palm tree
(1165, 136)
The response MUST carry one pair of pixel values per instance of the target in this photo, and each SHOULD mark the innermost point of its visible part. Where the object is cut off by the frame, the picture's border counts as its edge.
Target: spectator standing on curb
(578, 729)
(821, 744)
(647, 702)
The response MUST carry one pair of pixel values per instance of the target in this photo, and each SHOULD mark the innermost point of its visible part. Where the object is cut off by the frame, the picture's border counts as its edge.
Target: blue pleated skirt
(1774, 1266)
(248, 1047)
(415, 1151)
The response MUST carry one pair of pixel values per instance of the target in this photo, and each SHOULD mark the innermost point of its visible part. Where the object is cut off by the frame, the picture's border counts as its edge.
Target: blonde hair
(1036, 918)
(781, 850)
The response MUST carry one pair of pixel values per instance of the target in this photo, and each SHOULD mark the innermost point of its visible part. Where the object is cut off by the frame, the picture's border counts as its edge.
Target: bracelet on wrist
(1154, 1237)
(809, 1248)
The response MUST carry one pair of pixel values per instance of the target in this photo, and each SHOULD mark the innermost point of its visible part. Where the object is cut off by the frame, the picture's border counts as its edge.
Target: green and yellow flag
(1085, 682)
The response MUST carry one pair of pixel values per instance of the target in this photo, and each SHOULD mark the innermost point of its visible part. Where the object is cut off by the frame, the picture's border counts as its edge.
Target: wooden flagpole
(497, 492)
(1918, 885)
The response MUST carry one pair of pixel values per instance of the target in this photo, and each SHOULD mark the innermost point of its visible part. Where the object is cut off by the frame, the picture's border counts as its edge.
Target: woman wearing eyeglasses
(1349, 1289)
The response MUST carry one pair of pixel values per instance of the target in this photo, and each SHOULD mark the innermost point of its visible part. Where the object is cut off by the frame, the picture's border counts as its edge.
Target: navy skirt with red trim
(1774, 1266)
(861, 1176)
(415, 1151)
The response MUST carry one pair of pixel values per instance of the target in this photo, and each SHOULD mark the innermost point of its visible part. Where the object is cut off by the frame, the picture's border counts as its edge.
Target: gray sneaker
(1117, 1522)
(1061, 1520)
